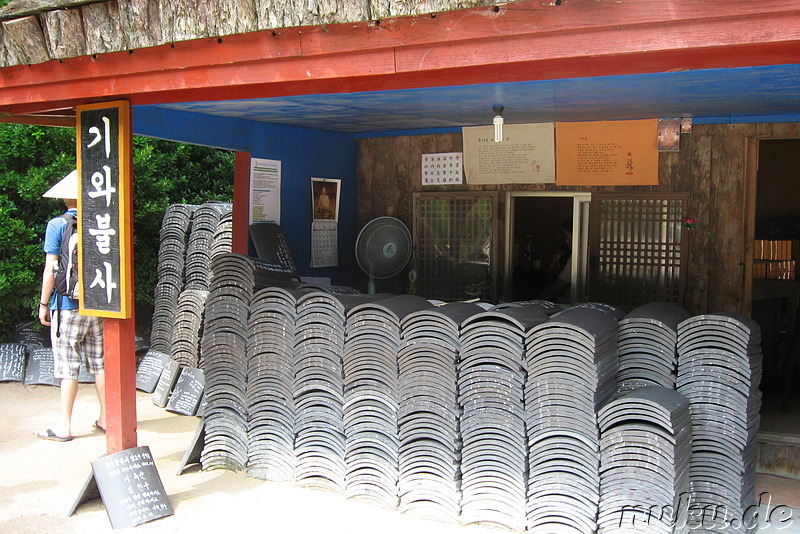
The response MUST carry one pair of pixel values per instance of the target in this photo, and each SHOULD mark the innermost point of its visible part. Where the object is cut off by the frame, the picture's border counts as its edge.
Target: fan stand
(371, 285)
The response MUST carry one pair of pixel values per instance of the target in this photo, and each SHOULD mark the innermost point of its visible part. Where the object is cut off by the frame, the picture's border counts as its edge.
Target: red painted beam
(241, 203)
(516, 42)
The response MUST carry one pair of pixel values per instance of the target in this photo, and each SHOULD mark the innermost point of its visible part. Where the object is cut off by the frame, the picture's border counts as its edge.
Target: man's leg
(69, 390)
(100, 385)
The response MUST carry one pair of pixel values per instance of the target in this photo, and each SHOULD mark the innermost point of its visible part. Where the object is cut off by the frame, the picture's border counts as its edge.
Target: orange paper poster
(607, 153)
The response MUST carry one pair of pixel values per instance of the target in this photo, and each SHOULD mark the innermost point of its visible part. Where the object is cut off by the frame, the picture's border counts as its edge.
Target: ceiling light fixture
(498, 123)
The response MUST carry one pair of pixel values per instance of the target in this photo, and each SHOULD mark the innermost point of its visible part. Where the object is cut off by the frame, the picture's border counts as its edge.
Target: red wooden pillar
(241, 203)
(120, 369)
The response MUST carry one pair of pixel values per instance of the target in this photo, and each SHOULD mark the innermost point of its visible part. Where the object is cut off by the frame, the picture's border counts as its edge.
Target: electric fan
(383, 248)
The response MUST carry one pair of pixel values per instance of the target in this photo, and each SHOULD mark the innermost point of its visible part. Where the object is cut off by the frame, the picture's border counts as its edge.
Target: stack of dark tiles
(187, 329)
(223, 358)
(371, 398)
(205, 224)
(648, 337)
(571, 364)
(270, 372)
(491, 385)
(174, 235)
(645, 451)
(719, 371)
(429, 483)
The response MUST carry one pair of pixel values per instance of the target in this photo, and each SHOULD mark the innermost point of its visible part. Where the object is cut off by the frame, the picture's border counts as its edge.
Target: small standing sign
(103, 131)
(131, 488)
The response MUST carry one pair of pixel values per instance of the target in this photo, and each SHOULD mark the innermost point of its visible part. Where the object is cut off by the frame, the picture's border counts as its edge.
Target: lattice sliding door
(455, 245)
(637, 248)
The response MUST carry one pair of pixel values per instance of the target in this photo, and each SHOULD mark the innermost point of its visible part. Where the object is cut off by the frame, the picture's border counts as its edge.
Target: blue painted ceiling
(747, 94)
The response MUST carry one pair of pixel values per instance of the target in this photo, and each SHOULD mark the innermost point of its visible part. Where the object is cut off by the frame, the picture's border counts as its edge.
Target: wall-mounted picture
(325, 195)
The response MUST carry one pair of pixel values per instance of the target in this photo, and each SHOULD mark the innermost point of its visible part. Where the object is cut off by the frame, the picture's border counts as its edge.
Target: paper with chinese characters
(525, 155)
(442, 168)
(607, 152)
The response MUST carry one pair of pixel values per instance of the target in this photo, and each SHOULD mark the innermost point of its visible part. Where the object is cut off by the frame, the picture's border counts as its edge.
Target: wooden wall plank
(63, 33)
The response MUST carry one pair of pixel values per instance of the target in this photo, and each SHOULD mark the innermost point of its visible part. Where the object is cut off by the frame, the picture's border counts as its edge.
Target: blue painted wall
(304, 153)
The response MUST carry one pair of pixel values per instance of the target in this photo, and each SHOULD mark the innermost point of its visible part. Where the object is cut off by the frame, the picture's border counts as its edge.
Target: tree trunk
(63, 33)
(24, 42)
(102, 27)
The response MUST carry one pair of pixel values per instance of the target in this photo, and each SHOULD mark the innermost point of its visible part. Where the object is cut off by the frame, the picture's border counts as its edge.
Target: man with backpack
(77, 339)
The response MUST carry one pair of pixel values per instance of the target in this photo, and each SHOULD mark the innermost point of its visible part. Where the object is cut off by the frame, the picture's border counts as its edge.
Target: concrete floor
(40, 481)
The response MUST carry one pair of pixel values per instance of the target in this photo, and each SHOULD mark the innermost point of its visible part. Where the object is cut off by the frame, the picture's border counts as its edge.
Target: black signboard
(12, 362)
(149, 370)
(166, 382)
(39, 370)
(33, 336)
(131, 488)
(188, 392)
(104, 209)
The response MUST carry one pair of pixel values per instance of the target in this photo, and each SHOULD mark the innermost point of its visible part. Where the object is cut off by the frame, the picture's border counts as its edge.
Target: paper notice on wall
(442, 168)
(324, 243)
(265, 191)
(526, 155)
(607, 152)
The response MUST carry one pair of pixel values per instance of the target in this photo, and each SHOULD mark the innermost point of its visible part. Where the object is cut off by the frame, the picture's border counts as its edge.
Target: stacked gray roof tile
(648, 337)
(719, 371)
(371, 398)
(645, 450)
(491, 388)
(571, 365)
(428, 414)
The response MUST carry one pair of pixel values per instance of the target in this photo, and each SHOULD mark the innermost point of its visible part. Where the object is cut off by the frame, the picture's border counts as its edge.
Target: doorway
(545, 232)
(775, 286)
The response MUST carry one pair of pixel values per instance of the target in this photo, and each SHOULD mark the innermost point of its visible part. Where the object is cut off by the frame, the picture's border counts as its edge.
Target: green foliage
(33, 158)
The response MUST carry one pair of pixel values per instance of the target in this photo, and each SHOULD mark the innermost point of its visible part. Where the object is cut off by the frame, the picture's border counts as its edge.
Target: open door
(637, 249)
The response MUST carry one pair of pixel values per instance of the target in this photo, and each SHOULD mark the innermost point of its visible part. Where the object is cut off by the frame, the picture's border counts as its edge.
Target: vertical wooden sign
(105, 250)
(104, 209)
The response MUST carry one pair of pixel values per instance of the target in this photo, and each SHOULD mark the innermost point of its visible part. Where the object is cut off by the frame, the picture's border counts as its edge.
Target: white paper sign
(525, 155)
(265, 190)
(324, 243)
(442, 169)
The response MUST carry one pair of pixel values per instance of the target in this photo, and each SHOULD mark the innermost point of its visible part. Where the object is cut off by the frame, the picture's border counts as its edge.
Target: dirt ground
(41, 480)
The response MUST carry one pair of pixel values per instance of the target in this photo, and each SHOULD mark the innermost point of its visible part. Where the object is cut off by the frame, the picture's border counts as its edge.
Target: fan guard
(383, 248)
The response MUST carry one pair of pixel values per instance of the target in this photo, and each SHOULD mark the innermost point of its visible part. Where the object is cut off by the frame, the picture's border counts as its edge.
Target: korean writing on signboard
(103, 164)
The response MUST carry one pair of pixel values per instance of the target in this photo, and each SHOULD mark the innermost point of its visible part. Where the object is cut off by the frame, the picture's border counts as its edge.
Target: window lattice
(639, 251)
(454, 246)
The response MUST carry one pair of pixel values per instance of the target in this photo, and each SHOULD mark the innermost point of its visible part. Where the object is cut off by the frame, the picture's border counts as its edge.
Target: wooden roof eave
(480, 45)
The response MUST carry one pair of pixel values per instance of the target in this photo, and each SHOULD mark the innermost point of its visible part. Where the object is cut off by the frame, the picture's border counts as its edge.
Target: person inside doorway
(562, 267)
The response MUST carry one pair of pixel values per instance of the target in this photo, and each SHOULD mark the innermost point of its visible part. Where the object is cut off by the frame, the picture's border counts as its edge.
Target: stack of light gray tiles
(645, 449)
(719, 371)
(491, 394)
(371, 398)
(648, 338)
(428, 414)
(571, 364)
(270, 374)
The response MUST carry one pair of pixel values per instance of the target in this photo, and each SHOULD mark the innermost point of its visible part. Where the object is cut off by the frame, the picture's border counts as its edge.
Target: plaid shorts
(81, 341)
